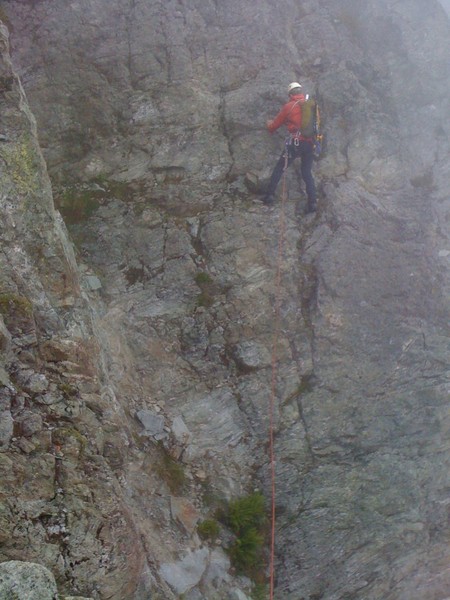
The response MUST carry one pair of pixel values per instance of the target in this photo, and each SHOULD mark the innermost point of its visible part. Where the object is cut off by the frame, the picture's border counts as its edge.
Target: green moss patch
(24, 165)
(172, 472)
(209, 289)
(77, 205)
(15, 304)
(17, 312)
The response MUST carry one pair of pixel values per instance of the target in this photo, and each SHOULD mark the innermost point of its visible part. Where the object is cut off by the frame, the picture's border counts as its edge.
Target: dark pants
(304, 151)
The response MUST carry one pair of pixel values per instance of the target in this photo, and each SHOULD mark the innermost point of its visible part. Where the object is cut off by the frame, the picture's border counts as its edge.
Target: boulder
(186, 573)
(24, 580)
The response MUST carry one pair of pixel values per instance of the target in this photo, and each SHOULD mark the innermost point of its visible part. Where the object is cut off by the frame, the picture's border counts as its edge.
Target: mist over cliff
(445, 5)
(141, 281)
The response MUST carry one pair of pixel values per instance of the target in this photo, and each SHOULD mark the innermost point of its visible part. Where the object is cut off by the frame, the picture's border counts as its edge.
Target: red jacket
(290, 115)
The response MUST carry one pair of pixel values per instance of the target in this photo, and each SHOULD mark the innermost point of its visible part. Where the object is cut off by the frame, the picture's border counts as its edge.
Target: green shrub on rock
(246, 551)
(246, 517)
(247, 513)
(208, 529)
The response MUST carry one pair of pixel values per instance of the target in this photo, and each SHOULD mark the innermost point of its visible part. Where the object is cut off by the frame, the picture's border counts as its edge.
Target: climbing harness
(295, 138)
(276, 335)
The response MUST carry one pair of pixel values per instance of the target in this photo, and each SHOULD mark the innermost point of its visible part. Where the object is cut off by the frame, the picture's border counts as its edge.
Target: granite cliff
(138, 275)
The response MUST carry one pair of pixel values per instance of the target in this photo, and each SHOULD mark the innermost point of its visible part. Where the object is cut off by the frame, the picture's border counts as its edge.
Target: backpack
(311, 126)
(310, 110)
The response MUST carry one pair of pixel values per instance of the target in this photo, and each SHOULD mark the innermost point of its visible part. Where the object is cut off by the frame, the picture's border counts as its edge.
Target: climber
(297, 146)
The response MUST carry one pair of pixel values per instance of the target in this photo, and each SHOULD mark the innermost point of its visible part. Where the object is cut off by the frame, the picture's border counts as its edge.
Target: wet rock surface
(137, 335)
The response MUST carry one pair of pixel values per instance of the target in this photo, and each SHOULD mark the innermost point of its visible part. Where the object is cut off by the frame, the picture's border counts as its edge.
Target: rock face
(26, 580)
(138, 335)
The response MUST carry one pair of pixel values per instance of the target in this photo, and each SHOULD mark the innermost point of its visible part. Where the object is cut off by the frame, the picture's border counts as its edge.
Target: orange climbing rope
(276, 335)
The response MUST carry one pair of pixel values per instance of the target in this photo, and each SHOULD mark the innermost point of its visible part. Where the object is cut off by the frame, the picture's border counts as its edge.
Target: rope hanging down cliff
(276, 336)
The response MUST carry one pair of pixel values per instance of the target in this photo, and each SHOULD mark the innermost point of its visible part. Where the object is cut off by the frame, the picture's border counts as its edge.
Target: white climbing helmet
(294, 85)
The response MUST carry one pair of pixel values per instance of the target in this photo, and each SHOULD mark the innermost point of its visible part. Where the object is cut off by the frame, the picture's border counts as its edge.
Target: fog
(446, 5)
